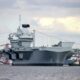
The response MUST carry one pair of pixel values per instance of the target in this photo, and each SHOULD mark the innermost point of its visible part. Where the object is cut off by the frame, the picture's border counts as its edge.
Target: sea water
(39, 72)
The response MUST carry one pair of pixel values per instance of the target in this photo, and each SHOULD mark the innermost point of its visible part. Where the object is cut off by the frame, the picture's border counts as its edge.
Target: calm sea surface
(39, 73)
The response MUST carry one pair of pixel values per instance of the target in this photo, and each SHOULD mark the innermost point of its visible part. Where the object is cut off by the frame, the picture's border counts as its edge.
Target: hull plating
(37, 57)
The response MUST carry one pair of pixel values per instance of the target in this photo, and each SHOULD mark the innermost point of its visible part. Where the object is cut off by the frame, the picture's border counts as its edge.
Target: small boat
(74, 60)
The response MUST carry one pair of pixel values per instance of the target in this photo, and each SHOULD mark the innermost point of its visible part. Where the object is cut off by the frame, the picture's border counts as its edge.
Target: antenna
(19, 20)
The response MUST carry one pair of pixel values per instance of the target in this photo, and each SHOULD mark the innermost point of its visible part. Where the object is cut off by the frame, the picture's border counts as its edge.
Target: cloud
(71, 24)
(58, 3)
(4, 30)
(64, 29)
(56, 8)
(72, 1)
(58, 18)
(50, 8)
(47, 21)
(6, 3)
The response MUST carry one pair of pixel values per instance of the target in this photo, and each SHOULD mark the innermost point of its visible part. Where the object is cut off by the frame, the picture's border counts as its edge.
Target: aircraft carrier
(22, 53)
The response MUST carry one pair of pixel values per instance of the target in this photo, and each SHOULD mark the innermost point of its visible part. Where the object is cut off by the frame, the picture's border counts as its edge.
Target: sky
(53, 20)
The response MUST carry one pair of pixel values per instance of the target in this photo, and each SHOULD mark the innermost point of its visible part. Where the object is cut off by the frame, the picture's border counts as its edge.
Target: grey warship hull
(22, 53)
(38, 57)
